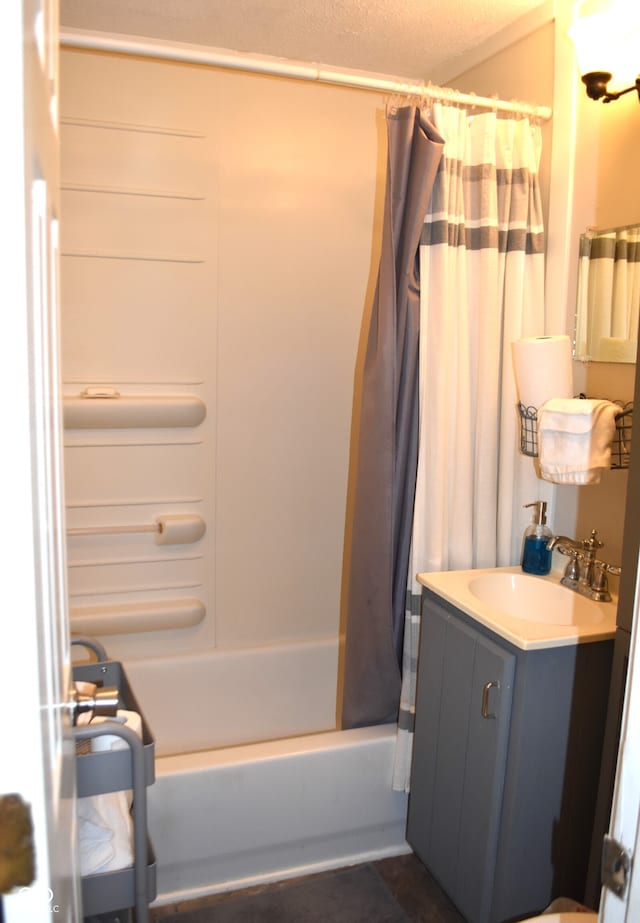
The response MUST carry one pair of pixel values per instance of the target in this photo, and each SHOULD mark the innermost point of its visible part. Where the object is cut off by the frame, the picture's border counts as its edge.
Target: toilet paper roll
(111, 741)
(542, 367)
(180, 529)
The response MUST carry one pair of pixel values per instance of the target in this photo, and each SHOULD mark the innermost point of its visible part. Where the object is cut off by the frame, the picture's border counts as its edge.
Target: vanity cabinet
(505, 765)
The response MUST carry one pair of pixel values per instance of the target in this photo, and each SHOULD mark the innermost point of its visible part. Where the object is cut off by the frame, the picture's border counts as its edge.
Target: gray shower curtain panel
(383, 488)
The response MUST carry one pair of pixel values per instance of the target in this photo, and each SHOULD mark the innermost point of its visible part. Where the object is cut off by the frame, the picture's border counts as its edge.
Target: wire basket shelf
(620, 446)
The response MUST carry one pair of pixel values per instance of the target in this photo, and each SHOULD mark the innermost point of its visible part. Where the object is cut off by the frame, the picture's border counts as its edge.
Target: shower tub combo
(225, 813)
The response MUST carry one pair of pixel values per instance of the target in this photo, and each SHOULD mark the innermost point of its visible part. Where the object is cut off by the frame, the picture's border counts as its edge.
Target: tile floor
(406, 878)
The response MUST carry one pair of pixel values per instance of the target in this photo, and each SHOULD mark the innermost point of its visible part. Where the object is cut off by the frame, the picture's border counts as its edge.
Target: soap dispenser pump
(536, 558)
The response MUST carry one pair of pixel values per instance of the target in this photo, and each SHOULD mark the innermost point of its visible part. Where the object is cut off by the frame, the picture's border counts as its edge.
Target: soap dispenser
(536, 559)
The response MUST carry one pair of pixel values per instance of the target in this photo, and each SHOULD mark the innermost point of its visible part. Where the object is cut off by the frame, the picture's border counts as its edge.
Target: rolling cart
(107, 895)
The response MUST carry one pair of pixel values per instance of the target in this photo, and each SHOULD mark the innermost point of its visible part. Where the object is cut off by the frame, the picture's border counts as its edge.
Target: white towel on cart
(105, 826)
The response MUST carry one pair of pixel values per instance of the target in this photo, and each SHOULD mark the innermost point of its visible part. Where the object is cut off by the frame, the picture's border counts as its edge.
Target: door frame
(38, 764)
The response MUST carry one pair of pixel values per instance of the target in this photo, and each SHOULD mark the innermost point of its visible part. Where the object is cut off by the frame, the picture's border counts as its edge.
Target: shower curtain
(482, 286)
(382, 493)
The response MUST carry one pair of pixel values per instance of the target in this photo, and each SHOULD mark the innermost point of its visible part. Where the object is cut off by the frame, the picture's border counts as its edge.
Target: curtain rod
(283, 67)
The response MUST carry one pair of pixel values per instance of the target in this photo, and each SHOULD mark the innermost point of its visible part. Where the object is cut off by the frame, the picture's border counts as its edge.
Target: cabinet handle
(494, 684)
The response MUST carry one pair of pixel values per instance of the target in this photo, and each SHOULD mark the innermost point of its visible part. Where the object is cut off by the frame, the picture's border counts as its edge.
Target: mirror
(608, 302)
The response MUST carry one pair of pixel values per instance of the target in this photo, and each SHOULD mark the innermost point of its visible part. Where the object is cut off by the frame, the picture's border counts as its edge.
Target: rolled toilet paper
(542, 368)
(180, 529)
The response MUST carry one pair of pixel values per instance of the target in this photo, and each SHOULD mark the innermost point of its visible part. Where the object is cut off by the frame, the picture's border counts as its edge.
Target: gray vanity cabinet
(505, 765)
(459, 757)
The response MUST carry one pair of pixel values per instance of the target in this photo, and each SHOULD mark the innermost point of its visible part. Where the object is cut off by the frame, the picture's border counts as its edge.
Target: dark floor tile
(417, 892)
(169, 910)
(349, 895)
(403, 878)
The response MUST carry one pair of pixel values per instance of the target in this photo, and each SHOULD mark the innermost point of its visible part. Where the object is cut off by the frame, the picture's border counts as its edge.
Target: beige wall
(606, 194)
(618, 176)
(244, 282)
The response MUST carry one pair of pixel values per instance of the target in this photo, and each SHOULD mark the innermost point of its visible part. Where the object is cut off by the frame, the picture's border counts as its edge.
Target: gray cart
(125, 769)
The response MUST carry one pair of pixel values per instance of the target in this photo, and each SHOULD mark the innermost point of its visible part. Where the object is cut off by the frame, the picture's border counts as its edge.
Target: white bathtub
(221, 698)
(227, 819)
(228, 814)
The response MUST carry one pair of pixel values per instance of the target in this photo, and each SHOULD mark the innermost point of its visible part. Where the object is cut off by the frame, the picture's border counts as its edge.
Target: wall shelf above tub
(106, 408)
(131, 618)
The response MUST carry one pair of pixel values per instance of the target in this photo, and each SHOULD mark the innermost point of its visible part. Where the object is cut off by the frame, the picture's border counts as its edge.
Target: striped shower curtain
(482, 286)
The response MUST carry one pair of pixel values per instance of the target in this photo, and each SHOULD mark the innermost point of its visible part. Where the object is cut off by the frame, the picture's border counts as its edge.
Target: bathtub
(226, 814)
(222, 698)
(232, 818)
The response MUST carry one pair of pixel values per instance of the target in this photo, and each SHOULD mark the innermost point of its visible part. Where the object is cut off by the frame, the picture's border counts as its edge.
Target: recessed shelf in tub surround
(593, 621)
(107, 408)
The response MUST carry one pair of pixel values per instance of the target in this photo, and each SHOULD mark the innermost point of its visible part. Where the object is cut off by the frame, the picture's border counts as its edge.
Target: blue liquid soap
(535, 557)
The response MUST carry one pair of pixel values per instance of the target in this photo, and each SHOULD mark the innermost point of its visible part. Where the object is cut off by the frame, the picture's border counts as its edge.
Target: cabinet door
(462, 726)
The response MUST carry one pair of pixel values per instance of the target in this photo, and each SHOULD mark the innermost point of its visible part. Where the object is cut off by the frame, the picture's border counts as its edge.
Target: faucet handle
(572, 570)
(600, 583)
(593, 542)
(614, 569)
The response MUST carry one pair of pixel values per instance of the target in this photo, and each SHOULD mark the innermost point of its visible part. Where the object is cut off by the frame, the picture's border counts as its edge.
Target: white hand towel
(96, 850)
(105, 827)
(574, 439)
(105, 833)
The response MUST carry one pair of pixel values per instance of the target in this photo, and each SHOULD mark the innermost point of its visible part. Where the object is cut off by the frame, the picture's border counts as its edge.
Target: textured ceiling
(408, 38)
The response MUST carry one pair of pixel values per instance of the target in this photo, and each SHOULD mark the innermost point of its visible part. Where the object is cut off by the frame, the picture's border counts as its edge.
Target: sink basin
(529, 612)
(533, 599)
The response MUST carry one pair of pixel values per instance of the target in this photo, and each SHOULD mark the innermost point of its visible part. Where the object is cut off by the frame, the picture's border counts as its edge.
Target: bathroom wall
(606, 194)
(218, 239)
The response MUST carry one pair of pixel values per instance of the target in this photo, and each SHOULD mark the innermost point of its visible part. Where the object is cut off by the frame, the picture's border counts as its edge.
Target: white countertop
(453, 586)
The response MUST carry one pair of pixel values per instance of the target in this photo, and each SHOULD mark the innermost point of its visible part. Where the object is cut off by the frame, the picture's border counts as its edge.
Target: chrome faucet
(585, 573)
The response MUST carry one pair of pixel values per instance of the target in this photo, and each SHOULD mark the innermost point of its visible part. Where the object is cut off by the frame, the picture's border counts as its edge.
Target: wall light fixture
(606, 37)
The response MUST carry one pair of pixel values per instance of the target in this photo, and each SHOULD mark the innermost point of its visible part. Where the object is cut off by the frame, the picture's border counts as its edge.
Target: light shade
(606, 36)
